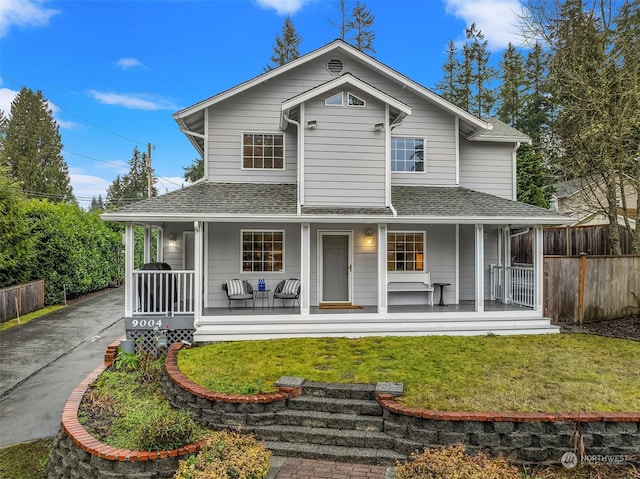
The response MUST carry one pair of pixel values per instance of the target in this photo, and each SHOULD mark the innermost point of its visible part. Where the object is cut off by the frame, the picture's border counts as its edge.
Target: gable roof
(191, 119)
(232, 202)
(500, 132)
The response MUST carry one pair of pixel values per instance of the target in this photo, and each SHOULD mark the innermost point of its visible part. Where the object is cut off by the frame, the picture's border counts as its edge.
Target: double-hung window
(262, 251)
(263, 151)
(407, 154)
(405, 251)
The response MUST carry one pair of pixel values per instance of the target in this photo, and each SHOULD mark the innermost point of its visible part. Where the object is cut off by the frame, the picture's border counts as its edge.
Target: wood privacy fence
(22, 299)
(570, 240)
(591, 288)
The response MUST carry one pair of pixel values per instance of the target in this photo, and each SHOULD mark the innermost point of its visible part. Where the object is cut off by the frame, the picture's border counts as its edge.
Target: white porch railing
(163, 292)
(519, 287)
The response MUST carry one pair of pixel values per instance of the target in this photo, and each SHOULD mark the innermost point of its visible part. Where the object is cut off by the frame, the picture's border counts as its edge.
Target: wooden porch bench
(408, 281)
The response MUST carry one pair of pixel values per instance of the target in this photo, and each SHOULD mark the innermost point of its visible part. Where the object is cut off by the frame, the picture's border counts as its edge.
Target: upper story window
(262, 251)
(405, 251)
(263, 151)
(356, 101)
(407, 154)
(335, 100)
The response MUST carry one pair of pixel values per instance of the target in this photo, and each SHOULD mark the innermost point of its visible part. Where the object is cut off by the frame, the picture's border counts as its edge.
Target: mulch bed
(625, 328)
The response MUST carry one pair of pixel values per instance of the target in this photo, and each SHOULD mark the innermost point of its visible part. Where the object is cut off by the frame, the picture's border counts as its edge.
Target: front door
(336, 267)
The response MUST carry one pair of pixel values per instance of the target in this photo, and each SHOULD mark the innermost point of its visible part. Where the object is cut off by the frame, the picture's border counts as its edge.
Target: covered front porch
(483, 292)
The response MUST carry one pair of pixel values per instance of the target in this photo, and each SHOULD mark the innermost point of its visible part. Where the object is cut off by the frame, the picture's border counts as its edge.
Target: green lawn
(546, 373)
(28, 317)
(26, 460)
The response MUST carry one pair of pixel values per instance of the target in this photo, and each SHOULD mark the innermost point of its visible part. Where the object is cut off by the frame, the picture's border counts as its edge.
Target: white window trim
(258, 230)
(355, 96)
(284, 149)
(332, 96)
(411, 137)
(424, 248)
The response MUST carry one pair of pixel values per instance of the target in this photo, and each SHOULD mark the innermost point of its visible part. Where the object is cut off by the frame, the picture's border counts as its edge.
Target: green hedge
(73, 249)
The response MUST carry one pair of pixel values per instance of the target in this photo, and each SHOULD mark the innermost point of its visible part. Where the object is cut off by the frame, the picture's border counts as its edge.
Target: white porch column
(147, 243)
(160, 245)
(305, 268)
(382, 268)
(129, 287)
(198, 266)
(538, 266)
(479, 268)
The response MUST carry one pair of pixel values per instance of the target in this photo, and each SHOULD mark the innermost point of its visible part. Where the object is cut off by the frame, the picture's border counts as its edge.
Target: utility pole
(149, 170)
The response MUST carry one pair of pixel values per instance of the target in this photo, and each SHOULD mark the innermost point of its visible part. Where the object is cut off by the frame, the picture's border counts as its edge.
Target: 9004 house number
(146, 323)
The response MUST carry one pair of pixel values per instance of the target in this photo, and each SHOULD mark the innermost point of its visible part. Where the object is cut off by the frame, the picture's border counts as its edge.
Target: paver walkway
(297, 468)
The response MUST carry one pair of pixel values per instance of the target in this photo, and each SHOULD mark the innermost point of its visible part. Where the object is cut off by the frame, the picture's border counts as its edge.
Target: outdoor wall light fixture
(379, 126)
(172, 240)
(368, 236)
(312, 124)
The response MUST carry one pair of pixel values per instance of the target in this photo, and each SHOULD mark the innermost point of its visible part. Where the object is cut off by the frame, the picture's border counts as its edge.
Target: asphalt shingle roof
(207, 200)
(501, 131)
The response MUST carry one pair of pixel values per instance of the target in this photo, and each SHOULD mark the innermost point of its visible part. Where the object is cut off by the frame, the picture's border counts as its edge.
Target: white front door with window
(335, 266)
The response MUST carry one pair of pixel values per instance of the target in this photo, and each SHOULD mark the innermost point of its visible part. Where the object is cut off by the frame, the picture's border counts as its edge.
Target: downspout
(298, 156)
(514, 179)
(387, 151)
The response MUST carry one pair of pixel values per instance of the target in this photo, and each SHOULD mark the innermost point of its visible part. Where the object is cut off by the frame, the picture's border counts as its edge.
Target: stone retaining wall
(78, 455)
(528, 437)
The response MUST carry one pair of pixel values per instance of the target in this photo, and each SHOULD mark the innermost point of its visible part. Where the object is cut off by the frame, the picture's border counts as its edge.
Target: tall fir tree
(195, 171)
(481, 75)
(32, 148)
(342, 24)
(361, 23)
(134, 185)
(448, 87)
(286, 47)
(512, 91)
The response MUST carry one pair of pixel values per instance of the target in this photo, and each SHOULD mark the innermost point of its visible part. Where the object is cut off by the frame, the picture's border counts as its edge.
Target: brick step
(335, 405)
(340, 391)
(352, 422)
(334, 453)
(325, 436)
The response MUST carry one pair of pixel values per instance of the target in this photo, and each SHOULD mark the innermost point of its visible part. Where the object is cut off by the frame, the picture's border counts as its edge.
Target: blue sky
(115, 71)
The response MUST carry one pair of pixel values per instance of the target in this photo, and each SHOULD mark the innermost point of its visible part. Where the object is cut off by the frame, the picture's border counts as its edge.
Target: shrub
(227, 455)
(165, 428)
(453, 463)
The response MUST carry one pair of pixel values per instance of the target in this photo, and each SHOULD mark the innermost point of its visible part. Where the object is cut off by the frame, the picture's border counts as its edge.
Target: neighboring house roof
(191, 119)
(500, 132)
(205, 201)
(567, 188)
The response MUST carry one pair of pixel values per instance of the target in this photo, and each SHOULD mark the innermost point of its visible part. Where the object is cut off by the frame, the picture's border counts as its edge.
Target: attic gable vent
(335, 66)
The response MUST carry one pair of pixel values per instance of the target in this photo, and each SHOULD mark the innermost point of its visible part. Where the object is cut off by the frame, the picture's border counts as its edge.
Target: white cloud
(128, 63)
(23, 13)
(86, 186)
(283, 7)
(170, 183)
(140, 101)
(6, 97)
(498, 20)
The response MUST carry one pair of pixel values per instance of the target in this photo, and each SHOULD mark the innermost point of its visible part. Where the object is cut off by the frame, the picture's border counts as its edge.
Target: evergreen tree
(511, 95)
(342, 25)
(195, 171)
(479, 73)
(134, 185)
(361, 22)
(97, 204)
(32, 148)
(287, 45)
(535, 121)
(448, 87)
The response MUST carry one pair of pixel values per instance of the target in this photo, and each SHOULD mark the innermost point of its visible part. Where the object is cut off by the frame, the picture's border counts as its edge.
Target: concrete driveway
(42, 361)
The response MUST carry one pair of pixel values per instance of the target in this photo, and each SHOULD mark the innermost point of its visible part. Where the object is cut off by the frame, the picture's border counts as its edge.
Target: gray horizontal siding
(487, 167)
(352, 171)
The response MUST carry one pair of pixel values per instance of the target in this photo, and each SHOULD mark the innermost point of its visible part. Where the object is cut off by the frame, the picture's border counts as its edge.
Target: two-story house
(368, 188)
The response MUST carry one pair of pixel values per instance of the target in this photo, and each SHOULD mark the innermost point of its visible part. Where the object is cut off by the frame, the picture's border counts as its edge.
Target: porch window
(405, 251)
(263, 151)
(407, 154)
(262, 251)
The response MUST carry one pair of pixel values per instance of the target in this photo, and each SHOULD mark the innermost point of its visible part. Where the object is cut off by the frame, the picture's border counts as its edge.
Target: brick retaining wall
(78, 455)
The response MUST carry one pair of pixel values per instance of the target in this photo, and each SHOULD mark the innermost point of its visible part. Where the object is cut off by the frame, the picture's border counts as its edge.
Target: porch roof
(208, 201)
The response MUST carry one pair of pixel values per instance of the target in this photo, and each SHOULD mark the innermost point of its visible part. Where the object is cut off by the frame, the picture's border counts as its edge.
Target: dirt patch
(625, 328)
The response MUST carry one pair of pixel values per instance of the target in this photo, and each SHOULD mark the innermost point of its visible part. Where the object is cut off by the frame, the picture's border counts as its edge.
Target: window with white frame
(355, 101)
(263, 151)
(335, 100)
(262, 251)
(405, 251)
(407, 154)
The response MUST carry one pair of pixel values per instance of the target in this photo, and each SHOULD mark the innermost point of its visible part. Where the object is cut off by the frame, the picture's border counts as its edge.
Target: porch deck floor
(464, 306)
